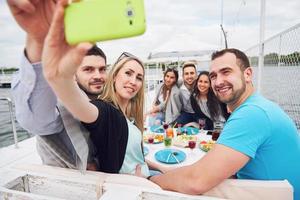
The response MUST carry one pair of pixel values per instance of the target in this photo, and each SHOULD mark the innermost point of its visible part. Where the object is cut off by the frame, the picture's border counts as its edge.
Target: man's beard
(91, 95)
(190, 86)
(235, 95)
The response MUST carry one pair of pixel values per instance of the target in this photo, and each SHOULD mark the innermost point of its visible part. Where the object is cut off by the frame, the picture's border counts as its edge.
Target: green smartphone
(99, 20)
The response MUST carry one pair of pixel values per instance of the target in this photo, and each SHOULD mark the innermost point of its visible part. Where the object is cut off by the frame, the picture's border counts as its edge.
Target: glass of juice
(218, 126)
(215, 134)
(170, 132)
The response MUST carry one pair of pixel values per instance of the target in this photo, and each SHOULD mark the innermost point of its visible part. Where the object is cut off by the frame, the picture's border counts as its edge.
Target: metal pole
(12, 119)
(221, 23)
(261, 43)
(157, 73)
(279, 52)
(225, 37)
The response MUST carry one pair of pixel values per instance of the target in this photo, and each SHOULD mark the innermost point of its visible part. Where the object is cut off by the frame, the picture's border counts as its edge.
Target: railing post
(279, 51)
(10, 106)
(261, 43)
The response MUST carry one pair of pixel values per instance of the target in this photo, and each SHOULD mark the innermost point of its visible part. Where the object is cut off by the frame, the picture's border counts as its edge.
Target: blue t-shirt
(261, 130)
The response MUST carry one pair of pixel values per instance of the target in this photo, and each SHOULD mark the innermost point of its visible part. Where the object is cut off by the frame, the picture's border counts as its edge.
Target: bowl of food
(206, 145)
(153, 138)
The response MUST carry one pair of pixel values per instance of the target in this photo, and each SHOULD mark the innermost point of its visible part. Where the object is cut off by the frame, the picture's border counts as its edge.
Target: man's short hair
(96, 51)
(189, 64)
(242, 59)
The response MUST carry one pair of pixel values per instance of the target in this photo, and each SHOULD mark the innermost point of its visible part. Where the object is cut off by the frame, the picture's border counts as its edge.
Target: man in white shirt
(61, 140)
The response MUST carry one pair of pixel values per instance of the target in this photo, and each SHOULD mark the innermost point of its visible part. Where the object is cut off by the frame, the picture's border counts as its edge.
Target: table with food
(176, 147)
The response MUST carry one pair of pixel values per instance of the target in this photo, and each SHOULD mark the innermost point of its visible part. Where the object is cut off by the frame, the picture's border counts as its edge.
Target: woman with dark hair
(205, 103)
(166, 106)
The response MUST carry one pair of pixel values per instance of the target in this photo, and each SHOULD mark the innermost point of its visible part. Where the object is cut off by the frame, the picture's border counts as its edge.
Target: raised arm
(34, 18)
(60, 62)
(34, 100)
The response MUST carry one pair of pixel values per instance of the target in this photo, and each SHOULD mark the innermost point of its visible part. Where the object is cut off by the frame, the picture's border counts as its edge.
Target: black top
(109, 133)
(209, 123)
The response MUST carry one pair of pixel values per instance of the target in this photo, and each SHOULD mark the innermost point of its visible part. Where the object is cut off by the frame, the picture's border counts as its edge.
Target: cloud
(12, 55)
(11, 39)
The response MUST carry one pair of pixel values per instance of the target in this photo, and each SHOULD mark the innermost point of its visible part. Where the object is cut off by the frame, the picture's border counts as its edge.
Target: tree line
(272, 59)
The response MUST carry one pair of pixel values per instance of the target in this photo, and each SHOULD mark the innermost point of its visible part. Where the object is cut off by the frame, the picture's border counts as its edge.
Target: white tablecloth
(191, 156)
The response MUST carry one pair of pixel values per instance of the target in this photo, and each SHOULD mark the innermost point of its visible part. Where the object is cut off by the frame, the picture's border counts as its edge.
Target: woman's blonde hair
(135, 108)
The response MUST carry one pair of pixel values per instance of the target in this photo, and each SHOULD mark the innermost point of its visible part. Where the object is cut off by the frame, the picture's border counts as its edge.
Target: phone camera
(129, 13)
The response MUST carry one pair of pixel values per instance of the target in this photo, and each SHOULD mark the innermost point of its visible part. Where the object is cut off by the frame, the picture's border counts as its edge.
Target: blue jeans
(186, 117)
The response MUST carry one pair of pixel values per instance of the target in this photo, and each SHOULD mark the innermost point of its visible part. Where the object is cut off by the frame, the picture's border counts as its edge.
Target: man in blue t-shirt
(259, 140)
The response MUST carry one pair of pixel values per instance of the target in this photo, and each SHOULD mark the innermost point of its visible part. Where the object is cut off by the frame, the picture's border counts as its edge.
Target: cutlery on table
(174, 154)
(168, 158)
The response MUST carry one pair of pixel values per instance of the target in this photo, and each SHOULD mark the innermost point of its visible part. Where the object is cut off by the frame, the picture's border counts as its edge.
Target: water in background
(6, 135)
(279, 84)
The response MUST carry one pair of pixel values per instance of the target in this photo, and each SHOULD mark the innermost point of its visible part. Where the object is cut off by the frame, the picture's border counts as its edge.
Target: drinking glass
(218, 126)
(192, 145)
(201, 124)
(165, 126)
(167, 142)
(170, 132)
(215, 135)
(150, 141)
(179, 129)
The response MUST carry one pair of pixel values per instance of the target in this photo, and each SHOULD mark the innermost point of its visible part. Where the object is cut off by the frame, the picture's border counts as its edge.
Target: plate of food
(183, 140)
(157, 138)
(157, 129)
(206, 145)
(170, 156)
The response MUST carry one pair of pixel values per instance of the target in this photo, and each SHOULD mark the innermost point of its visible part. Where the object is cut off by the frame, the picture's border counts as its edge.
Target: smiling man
(189, 75)
(254, 141)
(61, 139)
(91, 74)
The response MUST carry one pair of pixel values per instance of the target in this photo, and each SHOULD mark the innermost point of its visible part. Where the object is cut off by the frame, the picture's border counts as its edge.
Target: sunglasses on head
(172, 69)
(128, 55)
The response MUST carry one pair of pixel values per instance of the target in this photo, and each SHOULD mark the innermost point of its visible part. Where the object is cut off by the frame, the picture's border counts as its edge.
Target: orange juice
(170, 133)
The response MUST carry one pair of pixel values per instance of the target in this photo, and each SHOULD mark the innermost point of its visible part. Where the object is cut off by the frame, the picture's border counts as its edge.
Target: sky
(188, 24)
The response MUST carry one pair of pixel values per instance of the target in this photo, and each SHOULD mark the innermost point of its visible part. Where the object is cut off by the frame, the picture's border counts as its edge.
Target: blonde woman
(115, 122)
